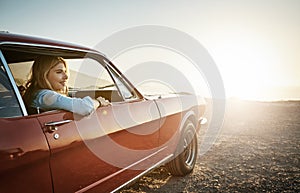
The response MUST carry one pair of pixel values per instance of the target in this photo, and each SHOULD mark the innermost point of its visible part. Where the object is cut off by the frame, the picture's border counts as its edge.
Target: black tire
(186, 152)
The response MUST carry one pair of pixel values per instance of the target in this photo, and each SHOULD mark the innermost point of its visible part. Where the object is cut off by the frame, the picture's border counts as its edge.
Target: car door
(105, 149)
(24, 152)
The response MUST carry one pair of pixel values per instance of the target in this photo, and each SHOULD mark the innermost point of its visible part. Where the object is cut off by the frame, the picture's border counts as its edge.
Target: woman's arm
(49, 100)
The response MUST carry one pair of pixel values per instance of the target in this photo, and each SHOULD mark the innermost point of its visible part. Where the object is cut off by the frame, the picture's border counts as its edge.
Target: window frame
(116, 75)
(33, 49)
(14, 86)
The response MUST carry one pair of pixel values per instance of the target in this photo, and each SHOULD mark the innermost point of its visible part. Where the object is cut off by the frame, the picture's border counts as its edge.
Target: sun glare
(247, 65)
(175, 64)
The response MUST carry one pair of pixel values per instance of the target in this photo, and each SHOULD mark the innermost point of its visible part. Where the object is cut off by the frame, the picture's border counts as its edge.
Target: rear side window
(9, 106)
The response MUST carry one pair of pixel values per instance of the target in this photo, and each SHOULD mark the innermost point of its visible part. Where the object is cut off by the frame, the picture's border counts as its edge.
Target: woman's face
(58, 77)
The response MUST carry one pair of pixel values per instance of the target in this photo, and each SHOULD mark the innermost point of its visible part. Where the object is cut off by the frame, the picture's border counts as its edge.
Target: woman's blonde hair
(38, 76)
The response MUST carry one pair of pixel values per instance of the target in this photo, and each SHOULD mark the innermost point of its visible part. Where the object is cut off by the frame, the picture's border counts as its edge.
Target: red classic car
(58, 151)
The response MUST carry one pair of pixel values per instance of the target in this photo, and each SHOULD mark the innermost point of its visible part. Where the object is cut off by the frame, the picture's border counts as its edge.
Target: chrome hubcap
(189, 148)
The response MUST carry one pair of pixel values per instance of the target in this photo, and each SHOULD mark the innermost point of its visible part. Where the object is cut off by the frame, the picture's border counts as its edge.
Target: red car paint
(83, 153)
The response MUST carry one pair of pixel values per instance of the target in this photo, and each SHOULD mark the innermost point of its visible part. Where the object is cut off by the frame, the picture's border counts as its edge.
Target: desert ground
(257, 150)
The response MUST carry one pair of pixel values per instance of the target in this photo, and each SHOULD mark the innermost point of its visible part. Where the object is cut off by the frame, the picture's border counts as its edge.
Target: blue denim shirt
(51, 100)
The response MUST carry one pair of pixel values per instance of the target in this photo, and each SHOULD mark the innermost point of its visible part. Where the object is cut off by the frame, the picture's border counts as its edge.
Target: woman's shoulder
(49, 99)
(45, 91)
(44, 95)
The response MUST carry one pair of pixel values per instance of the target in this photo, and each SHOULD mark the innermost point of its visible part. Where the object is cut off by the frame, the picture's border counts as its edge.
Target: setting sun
(250, 64)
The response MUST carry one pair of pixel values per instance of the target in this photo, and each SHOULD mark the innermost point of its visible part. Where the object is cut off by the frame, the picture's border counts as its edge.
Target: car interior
(87, 76)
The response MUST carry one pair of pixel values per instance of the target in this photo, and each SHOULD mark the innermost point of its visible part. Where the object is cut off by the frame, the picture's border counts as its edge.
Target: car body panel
(24, 157)
(89, 137)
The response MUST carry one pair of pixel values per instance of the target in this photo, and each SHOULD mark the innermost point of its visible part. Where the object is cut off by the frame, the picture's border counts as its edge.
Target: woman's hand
(103, 101)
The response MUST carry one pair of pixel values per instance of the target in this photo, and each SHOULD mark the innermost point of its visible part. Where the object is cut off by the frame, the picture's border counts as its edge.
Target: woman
(47, 88)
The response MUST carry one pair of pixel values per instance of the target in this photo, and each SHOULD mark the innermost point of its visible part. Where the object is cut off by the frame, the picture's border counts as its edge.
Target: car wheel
(186, 152)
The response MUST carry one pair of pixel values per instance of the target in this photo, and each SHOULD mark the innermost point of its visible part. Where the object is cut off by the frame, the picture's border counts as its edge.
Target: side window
(9, 105)
(89, 78)
(125, 91)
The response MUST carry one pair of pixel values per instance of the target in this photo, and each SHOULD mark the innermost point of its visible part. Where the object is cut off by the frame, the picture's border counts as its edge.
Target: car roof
(26, 47)
(6, 38)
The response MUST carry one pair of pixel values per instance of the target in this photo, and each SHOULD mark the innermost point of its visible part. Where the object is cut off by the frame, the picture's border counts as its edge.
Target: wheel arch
(189, 116)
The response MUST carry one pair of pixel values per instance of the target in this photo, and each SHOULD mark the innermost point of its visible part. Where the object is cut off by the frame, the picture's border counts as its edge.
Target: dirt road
(257, 150)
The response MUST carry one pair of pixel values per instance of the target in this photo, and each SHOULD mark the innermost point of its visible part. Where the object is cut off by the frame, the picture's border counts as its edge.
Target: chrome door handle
(52, 126)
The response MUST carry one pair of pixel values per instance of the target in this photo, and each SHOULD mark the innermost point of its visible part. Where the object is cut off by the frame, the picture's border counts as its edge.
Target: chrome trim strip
(14, 85)
(118, 172)
(144, 172)
(58, 122)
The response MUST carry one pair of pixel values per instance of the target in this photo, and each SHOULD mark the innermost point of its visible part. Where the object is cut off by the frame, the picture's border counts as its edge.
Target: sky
(254, 43)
